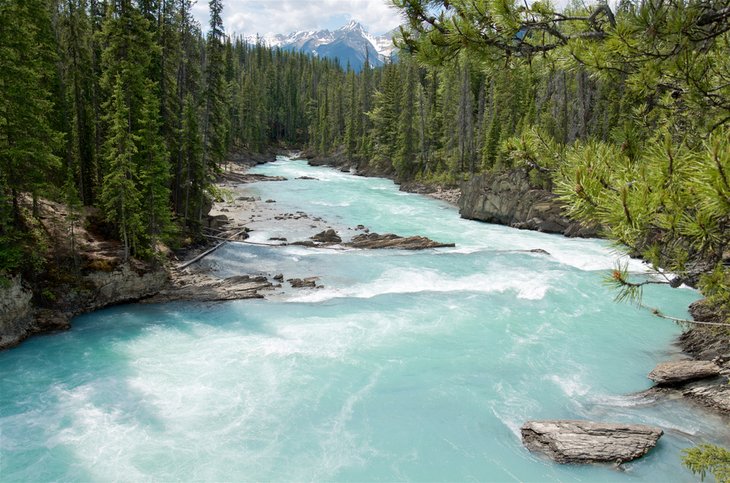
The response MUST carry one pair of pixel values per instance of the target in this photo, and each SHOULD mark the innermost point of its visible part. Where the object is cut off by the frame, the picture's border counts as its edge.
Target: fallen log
(211, 250)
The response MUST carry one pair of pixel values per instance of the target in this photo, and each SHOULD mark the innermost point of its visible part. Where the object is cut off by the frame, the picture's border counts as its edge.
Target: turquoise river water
(415, 366)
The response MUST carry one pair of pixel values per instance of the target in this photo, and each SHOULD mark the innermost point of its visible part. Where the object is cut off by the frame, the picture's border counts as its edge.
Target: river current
(416, 366)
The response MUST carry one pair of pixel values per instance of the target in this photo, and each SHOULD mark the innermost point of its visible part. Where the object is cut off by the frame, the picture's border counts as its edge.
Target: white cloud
(284, 16)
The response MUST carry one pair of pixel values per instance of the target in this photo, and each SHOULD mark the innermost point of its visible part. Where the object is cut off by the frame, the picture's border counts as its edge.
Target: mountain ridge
(350, 44)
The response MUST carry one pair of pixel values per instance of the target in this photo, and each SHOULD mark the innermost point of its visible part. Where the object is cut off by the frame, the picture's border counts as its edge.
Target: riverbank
(442, 192)
(86, 271)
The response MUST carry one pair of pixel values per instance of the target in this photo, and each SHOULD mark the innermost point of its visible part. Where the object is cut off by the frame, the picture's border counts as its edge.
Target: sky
(263, 17)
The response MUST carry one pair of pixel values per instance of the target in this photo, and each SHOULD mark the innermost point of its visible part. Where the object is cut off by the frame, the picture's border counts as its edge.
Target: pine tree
(193, 179)
(120, 197)
(214, 119)
(154, 173)
(27, 138)
(406, 138)
(75, 39)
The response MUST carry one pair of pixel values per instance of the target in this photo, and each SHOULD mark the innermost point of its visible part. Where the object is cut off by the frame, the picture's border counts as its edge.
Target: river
(415, 366)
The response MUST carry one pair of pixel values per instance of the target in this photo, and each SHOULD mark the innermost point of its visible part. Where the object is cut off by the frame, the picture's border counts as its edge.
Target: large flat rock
(678, 372)
(577, 441)
(389, 240)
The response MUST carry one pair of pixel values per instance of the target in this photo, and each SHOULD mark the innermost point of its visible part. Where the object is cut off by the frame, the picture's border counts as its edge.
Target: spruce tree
(27, 138)
(406, 137)
(214, 116)
(154, 173)
(120, 197)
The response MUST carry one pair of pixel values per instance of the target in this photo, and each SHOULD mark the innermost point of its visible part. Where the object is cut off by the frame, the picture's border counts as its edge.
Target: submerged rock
(567, 441)
(389, 240)
(679, 372)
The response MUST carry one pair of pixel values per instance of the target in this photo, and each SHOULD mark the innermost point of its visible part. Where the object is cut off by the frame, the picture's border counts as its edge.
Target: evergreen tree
(27, 138)
(214, 119)
(406, 140)
(154, 173)
(120, 197)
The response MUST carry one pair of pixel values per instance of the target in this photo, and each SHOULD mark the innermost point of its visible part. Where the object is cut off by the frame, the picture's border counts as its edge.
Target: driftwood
(211, 250)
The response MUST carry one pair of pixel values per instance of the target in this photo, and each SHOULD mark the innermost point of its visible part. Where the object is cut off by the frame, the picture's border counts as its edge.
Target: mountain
(349, 44)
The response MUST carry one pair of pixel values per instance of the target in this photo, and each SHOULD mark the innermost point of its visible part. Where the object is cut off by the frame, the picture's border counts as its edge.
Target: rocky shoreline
(509, 198)
(109, 282)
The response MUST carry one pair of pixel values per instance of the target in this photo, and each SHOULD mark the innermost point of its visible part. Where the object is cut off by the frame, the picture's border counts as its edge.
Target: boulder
(567, 441)
(715, 396)
(310, 282)
(327, 236)
(217, 222)
(679, 372)
(389, 240)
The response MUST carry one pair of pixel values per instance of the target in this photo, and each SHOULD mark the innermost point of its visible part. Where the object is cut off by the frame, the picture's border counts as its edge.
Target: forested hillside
(127, 106)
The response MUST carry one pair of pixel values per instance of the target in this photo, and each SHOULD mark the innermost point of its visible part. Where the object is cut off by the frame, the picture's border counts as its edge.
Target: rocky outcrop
(247, 158)
(327, 236)
(16, 312)
(707, 341)
(201, 287)
(20, 317)
(123, 285)
(389, 240)
(567, 441)
(675, 373)
(509, 199)
(716, 396)
(444, 193)
(309, 282)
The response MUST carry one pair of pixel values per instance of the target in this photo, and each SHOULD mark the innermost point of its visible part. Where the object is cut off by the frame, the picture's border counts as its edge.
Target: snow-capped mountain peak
(350, 44)
(353, 26)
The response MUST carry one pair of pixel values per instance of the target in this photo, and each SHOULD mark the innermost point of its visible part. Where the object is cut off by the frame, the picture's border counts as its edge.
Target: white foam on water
(408, 280)
(340, 447)
(98, 435)
(340, 204)
(573, 386)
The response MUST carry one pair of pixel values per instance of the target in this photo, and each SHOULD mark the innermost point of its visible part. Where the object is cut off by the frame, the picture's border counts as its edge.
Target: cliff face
(16, 312)
(20, 317)
(508, 199)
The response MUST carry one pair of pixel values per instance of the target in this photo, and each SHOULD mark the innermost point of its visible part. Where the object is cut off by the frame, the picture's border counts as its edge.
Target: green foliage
(708, 458)
(120, 196)
(715, 285)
